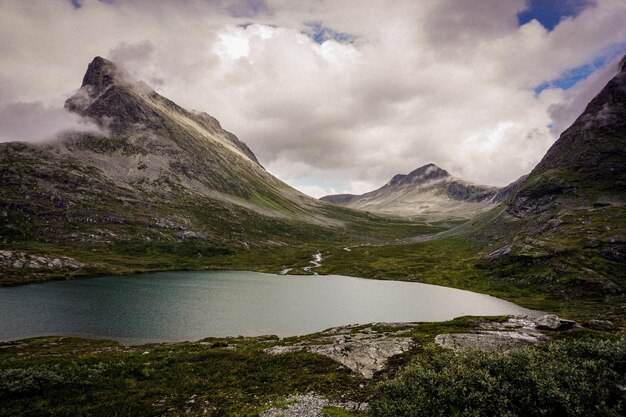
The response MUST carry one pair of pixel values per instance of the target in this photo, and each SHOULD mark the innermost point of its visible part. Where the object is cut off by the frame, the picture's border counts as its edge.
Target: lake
(177, 306)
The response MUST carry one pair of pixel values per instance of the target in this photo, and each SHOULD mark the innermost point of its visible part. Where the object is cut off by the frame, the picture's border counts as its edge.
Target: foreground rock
(364, 351)
(310, 405)
(515, 333)
(553, 322)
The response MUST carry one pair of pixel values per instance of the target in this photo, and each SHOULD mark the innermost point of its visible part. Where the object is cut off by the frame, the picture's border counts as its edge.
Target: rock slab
(364, 351)
(515, 333)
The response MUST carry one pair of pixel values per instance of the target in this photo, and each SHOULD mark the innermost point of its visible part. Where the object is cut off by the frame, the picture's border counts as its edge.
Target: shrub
(582, 378)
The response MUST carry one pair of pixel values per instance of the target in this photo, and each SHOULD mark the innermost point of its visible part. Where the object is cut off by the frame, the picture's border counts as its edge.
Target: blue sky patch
(550, 12)
(572, 76)
(320, 34)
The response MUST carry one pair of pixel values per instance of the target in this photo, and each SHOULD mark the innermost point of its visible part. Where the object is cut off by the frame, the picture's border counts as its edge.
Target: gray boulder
(503, 341)
(553, 322)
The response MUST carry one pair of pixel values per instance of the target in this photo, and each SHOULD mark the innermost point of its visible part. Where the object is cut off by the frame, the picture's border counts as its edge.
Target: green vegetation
(579, 378)
(581, 372)
(68, 376)
(338, 412)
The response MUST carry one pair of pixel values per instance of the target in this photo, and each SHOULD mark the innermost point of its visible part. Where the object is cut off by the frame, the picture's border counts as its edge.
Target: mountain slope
(589, 156)
(150, 141)
(564, 230)
(159, 187)
(427, 191)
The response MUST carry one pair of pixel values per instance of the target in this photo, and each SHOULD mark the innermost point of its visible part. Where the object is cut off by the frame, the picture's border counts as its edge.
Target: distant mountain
(429, 191)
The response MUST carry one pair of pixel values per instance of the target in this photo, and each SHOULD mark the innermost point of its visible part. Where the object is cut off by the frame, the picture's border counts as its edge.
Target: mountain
(589, 156)
(556, 242)
(158, 187)
(151, 144)
(427, 191)
(563, 231)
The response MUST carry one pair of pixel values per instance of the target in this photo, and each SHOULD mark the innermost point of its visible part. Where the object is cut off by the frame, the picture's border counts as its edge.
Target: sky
(332, 96)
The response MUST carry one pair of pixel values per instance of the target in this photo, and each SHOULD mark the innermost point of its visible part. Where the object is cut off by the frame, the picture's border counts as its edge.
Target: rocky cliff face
(429, 191)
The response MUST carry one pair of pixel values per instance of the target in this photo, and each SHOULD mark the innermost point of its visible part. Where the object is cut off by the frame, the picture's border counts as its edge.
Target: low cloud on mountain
(35, 122)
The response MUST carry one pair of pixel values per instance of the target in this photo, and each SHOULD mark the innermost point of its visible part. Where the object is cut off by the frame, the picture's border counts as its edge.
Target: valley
(161, 188)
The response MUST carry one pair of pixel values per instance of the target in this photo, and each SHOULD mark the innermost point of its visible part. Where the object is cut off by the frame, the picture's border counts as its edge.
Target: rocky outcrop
(515, 333)
(489, 340)
(603, 325)
(23, 260)
(553, 322)
(364, 351)
(499, 253)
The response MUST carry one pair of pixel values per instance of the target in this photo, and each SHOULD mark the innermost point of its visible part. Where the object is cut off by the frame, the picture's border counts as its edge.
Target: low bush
(580, 378)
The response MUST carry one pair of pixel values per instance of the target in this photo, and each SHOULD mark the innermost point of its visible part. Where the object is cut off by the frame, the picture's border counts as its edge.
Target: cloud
(34, 122)
(333, 95)
(573, 103)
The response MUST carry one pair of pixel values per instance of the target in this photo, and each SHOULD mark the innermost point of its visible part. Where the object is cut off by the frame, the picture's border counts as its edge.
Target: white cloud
(416, 82)
(34, 122)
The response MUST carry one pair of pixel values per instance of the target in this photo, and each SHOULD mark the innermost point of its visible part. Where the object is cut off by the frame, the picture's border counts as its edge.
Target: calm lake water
(177, 306)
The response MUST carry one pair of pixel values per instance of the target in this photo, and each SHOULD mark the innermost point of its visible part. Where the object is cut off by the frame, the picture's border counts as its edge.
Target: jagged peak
(100, 73)
(123, 105)
(425, 173)
(622, 64)
(430, 170)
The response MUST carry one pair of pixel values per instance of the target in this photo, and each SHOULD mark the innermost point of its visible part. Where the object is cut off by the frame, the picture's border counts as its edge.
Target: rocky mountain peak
(128, 109)
(429, 171)
(595, 141)
(100, 74)
(423, 174)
